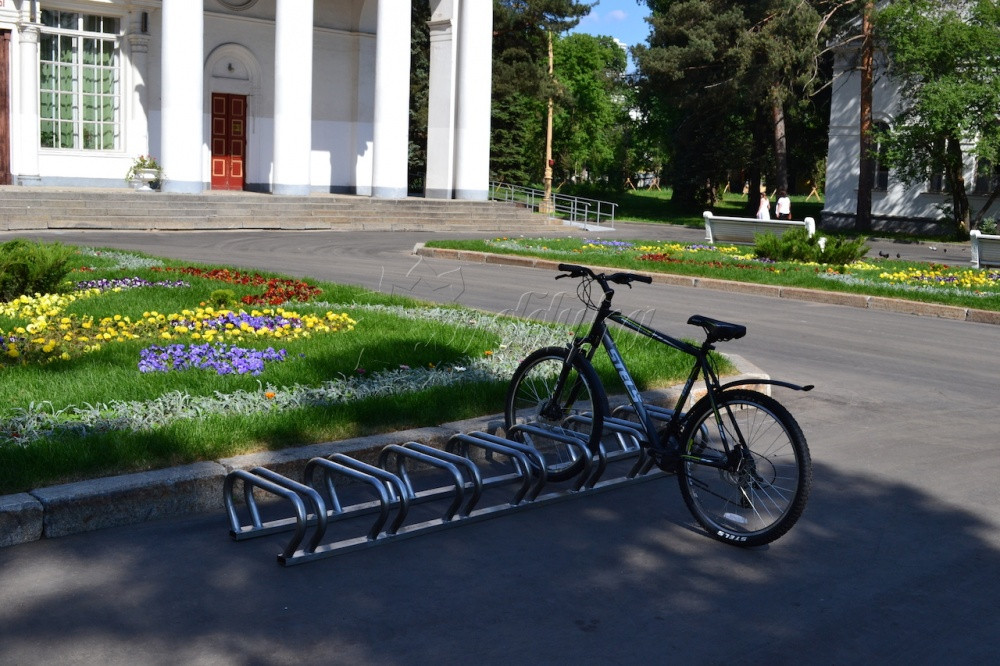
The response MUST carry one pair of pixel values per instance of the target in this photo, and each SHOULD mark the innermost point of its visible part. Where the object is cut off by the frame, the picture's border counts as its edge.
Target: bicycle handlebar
(574, 271)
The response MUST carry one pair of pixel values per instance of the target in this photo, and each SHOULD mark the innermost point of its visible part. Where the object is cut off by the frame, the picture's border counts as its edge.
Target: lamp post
(546, 206)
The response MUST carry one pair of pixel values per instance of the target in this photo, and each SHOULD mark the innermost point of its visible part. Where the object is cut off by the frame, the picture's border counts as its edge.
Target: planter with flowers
(145, 173)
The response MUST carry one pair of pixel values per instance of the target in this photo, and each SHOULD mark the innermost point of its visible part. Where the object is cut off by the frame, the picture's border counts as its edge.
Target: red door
(229, 141)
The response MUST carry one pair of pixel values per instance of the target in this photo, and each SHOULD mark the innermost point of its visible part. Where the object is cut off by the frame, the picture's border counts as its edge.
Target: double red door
(229, 141)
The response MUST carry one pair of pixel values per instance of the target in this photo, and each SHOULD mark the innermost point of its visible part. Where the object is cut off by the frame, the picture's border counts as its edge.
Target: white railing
(576, 210)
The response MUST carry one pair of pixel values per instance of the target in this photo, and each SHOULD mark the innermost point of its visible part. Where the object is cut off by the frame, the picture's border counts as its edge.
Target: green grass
(958, 286)
(93, 413)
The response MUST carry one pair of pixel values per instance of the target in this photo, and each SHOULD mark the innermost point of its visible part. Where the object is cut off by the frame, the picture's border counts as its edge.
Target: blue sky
(622, 19)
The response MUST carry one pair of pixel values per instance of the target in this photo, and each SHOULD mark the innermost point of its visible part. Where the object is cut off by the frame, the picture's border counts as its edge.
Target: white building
(894, 206)
(282, 96)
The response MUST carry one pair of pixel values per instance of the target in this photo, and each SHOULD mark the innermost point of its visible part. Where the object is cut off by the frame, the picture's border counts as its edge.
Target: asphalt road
(894, 560)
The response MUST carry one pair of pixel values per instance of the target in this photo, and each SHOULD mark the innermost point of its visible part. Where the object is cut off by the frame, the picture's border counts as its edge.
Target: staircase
(40, 208)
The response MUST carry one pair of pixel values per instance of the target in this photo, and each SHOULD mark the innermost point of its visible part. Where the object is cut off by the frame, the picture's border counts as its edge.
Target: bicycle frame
(600, 336)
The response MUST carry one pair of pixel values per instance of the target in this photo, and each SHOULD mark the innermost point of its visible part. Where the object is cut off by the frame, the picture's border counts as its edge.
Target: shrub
(223, 298)
(797, 245)
(27, 267)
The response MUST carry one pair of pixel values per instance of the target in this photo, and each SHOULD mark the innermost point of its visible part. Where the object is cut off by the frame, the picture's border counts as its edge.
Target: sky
(621, 19)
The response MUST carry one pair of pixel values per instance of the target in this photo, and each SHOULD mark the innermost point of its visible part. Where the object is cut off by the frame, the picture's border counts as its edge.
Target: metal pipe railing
(577, 210)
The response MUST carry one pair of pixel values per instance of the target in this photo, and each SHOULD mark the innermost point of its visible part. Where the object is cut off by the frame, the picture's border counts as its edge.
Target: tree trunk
(866, 174)
(956, 178)
(780, 142)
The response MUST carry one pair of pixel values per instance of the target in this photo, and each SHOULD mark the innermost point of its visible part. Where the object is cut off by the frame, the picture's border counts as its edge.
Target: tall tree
(521, 84)
(866, 171)
(588, 124)
(733, 68)
(946, 56)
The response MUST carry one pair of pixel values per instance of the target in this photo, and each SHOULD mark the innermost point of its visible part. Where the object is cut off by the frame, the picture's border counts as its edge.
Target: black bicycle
(740, 458)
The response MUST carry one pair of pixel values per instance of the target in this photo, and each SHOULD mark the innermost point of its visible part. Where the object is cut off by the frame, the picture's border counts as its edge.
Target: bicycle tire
(764, 500)
(530, 394)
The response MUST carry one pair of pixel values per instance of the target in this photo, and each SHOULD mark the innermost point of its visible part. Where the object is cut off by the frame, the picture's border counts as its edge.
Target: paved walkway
(885, 565)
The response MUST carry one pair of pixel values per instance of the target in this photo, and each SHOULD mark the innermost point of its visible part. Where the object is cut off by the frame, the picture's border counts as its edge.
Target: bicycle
(741, 459)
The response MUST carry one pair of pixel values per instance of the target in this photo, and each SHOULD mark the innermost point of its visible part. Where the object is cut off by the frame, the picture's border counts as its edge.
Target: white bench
(985, 249)
(741, 230)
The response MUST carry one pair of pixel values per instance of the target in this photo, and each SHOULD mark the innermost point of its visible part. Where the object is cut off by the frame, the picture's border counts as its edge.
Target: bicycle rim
(578, 411)
(762, 499)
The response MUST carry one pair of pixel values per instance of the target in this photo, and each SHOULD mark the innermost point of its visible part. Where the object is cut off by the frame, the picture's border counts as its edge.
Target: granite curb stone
(20, 519)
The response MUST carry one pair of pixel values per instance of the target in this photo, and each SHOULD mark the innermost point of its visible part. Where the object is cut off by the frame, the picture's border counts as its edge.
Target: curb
(898, 305)
(187, 490)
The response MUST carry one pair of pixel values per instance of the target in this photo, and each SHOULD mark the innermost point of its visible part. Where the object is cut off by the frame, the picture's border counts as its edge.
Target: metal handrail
(577, 210)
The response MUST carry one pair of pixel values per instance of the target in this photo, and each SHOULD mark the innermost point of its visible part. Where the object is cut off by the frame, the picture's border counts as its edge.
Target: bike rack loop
(397, 491)
(274, 483)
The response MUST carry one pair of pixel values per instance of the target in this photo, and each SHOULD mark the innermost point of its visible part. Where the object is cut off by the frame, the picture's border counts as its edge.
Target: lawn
(929, 283)
(138, 362)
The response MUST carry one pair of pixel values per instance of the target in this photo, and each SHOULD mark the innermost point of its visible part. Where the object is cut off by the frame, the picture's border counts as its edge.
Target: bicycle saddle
(718, 331)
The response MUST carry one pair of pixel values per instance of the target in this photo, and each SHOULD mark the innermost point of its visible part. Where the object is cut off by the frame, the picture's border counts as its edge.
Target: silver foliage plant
(519, 338)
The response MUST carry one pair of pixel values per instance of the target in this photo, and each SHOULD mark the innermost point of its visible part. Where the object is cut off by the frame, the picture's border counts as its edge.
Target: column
(183, 98)
(27, 162)
(390, 141)
(441, 111)
(472, 123)
(293, 60)
(137, 141)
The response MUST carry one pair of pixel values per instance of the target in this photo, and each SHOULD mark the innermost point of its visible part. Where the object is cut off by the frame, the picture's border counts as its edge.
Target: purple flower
(220, 358)
(106, 284)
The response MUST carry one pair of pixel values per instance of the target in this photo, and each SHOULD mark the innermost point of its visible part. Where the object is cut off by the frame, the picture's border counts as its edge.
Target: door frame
(233, 69)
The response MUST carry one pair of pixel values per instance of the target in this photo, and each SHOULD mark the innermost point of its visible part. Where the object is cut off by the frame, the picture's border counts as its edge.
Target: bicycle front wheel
(577, 409)
(752, 498)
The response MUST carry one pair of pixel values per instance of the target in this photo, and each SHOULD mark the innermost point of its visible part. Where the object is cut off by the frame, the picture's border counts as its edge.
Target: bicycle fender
(773, 382)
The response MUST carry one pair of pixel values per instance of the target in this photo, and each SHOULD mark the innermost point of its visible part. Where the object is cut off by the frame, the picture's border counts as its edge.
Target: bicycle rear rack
(473, 465)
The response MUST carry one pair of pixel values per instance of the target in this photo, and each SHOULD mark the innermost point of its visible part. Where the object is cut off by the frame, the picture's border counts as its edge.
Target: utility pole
(547, 206)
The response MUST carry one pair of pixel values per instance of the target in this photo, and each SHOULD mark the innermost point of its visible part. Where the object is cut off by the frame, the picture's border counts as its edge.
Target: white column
(27, 159)
(293, 59)
(183, 99)
(390, 141)
(475, 75)
(441, 111)
(137, 141)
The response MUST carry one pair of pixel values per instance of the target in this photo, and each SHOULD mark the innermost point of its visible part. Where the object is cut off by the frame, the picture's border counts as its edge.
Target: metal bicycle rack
(473, 465)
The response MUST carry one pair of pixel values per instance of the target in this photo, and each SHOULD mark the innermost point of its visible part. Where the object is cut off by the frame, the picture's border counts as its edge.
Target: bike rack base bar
(479, 515)
(396, 492)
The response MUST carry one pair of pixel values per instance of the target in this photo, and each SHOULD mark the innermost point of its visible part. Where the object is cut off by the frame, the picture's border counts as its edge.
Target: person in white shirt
(783, 206)
(764, 210)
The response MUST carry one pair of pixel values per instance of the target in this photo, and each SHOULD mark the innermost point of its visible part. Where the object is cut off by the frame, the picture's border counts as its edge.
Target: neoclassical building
(281, 96)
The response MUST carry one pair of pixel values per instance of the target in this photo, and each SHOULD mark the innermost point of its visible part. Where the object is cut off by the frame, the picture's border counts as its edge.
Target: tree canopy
(735, 72)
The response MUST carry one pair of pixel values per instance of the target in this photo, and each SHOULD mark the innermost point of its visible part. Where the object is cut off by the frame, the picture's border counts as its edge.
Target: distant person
(764, 210)
(783, 206)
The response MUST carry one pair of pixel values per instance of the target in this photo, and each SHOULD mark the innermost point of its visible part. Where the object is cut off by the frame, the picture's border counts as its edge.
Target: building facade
(895, 206)
(281, 96)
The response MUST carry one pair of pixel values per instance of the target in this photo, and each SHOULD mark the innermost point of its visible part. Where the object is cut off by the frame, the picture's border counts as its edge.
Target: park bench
(741, 230)
(985, 249)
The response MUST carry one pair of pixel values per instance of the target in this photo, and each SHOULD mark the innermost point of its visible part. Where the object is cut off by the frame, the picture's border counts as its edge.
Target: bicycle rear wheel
(758, 500)
(578, 410)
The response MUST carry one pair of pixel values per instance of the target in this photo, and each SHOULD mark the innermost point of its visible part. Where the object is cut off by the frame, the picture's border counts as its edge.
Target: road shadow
(875, 571)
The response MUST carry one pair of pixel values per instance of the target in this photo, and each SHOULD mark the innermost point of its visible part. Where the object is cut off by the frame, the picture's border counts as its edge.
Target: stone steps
(25, 209)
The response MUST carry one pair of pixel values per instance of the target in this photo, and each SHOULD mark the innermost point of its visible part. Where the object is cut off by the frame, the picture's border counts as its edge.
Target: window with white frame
(80, 81)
